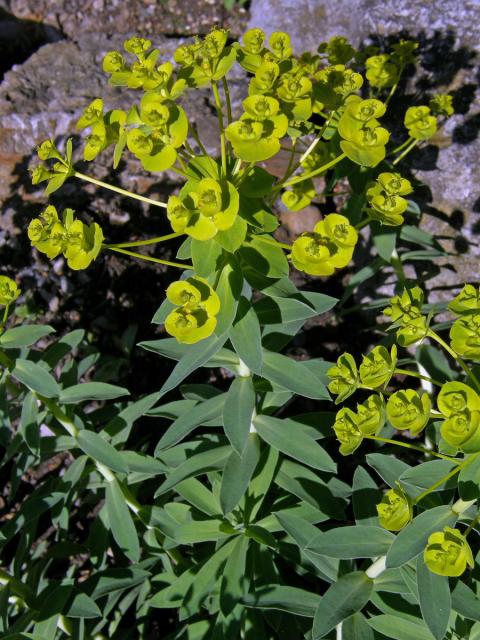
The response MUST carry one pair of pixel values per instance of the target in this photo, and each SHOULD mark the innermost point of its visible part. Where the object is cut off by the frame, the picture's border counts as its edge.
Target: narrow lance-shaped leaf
(237, 474)
(245, 336)
(345, 597)
(121, 523)
(238, 412)
(287, 437)
(435, 599)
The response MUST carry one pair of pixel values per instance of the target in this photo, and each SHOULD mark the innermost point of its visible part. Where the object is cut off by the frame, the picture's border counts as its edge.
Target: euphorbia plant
(251, 519)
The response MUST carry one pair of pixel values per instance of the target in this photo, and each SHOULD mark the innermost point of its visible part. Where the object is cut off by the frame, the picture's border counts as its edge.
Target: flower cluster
(465, 331)
(448, 553)
(406, 314)
(9, 291)
(385, 198)
(459, 404)
(363, 139)
(207, 207)
(420, 123)
(197, 306)
(328, 247)
(256, 136)
(79, 243)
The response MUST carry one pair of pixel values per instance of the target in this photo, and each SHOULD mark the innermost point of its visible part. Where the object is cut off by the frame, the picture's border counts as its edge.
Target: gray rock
(144, 17)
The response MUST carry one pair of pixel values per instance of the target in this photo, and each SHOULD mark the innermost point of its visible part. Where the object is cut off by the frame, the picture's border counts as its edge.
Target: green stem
(432, 334)
(142, 243)
(472, 524)
(394, 88)
(316, 172)
(59, 415)
(407, 150)
(413, 374)
(401, 146)
(309, 149)
(196, 137)
(183, 166)
(452, 473)
(5, 318)
(363, 223)
(140, 256)
(244, 175)
(227, 99)
(397, 266)
(415, 447)
(218, 106)
(274, 242)
(124, 192)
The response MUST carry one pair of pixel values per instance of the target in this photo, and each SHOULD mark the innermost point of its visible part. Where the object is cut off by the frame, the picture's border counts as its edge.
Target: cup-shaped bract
(209, 207)
(405, 311)
(395, 510)
(460, 404)
(409, 410)
(448, 553)
(280, 45)
(420, 123)
(385, 198)
(455, 397)
(381, 72)
(442, 105)
(465, 336)
(347, 431)
(344, 377)
(371, 415)
(9, 291)
(338, 50)
(467, 301)
(328, 247)
(194, 317)
(82, 243)
(378, 366)
(409, 303)
(79, 243)
(332, 85)
(300, 196)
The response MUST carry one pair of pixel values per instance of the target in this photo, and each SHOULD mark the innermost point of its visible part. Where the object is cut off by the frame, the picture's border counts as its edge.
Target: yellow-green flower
(377, 367)
(460, 405)
(347, 431)
(465, 336)
(195, 316)
(328, 247)
(466, 301)
(79, 243)
(420, 123)
(256, 136)
(280, 45)
(83, 243)
(442, 105)
(344, 377)
(380, 71)
(455, 397)
(406, 314)
(407, 409)
(371, 415)
(363, 139)
(395, 510)
(448, 553)
(208, 208)
(9, 291)
(333, 84)
(385, 198)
